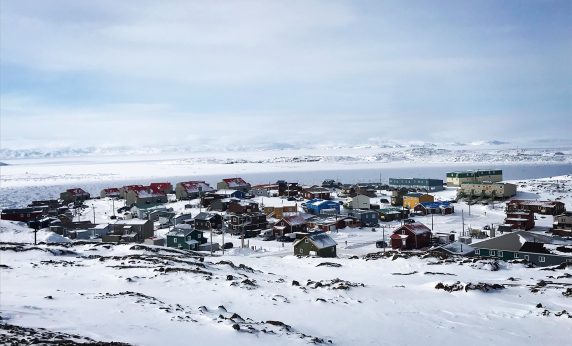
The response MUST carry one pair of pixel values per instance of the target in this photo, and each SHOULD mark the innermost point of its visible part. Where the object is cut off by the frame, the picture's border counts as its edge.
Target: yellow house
(410, 200)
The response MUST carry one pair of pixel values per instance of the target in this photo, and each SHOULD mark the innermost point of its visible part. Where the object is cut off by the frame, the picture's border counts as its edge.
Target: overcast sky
(108, 73)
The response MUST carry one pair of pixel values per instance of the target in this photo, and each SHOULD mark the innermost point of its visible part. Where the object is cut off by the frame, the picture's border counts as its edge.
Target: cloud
(298, 71)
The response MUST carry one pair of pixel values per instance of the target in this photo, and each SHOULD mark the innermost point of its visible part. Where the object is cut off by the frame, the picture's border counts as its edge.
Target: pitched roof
(416, 228)
(457, 248)
(513, 241)
(78, 191)
(161, 186)
(320, 240)
(294, 220)
(435, 205)
(193, 186)
(203, 216)
(534, 202)
(235, 182)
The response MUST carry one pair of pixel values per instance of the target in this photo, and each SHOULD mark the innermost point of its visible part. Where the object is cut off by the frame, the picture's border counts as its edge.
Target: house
(520, 219)
(316, 244)
(185, 237)
(242, 206)
(331, 183)
(393, 213)
(218, 204)
(124, 189)
(317, 206)
(290, 224)
(291, 190)
(424, 184)
(359, 202)
(151, 212)
(316, 192)
(144, 196)
(128, 231)
(247, 222)
(563, 224)
(227, 193)
(368, 218)
(98, 231)
(265, 190)
(279, 212)
(76, 195)
(22, 214)
(111, 192)
(154, 241)
(540, 207)
(233, 184)
(443, 208)
(460, 177)
(487, 189)
(397, 197)
(538, 249)
(208, 221)
(359, 189)
(411, 199)
(162, 187)
(411, 236)
(191, 189)
(333, 223)
(455, 249)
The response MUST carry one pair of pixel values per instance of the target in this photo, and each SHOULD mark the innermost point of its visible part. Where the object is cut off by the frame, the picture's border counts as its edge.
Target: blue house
(185, 237)
(228, 193)
(316, 206)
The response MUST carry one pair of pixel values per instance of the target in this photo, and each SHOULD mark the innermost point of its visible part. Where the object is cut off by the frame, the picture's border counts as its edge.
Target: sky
(229, 73)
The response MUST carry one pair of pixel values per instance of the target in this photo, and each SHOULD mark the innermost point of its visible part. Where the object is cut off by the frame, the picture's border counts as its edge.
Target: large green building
(417, 183)
(459, 177)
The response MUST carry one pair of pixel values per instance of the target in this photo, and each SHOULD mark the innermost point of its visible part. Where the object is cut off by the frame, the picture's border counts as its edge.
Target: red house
(163, 187)
(411, 236)
(316, 192)
(111, 192)
(520, 219)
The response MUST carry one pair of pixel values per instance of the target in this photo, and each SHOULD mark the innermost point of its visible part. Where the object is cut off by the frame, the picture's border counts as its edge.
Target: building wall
(500, 189)
(534, 258)
(411, 201)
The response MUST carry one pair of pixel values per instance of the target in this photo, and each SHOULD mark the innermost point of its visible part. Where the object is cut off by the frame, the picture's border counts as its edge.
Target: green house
(185, 237)
(534, 248)
(316, 244)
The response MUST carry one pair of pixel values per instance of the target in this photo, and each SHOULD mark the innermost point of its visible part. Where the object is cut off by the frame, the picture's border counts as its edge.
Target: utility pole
(223, 231)
(211, 229)
(113, 206)
(93, 208)
(431, 221)
(463, 221)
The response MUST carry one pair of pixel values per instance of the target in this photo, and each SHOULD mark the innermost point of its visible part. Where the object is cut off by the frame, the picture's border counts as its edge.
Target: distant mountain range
(67, 152)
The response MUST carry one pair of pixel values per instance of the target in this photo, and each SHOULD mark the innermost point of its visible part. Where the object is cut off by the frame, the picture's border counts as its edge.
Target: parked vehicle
(408, 221)
(268, 238)
(380, 244)
(228, 245)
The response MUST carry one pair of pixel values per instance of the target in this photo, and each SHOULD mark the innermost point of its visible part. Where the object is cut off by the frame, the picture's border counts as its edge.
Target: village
(406, 214)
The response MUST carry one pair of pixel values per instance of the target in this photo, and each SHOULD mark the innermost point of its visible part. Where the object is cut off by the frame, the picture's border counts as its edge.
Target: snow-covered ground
(150, 296)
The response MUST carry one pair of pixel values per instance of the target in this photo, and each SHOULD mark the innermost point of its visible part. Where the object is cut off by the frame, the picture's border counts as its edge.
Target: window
(492, 253)
(301, 250)
(500, 253)
(478, 251)
(175, 240)
(526, 257)
(306, 241)
(516, 255)
(541, 259)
